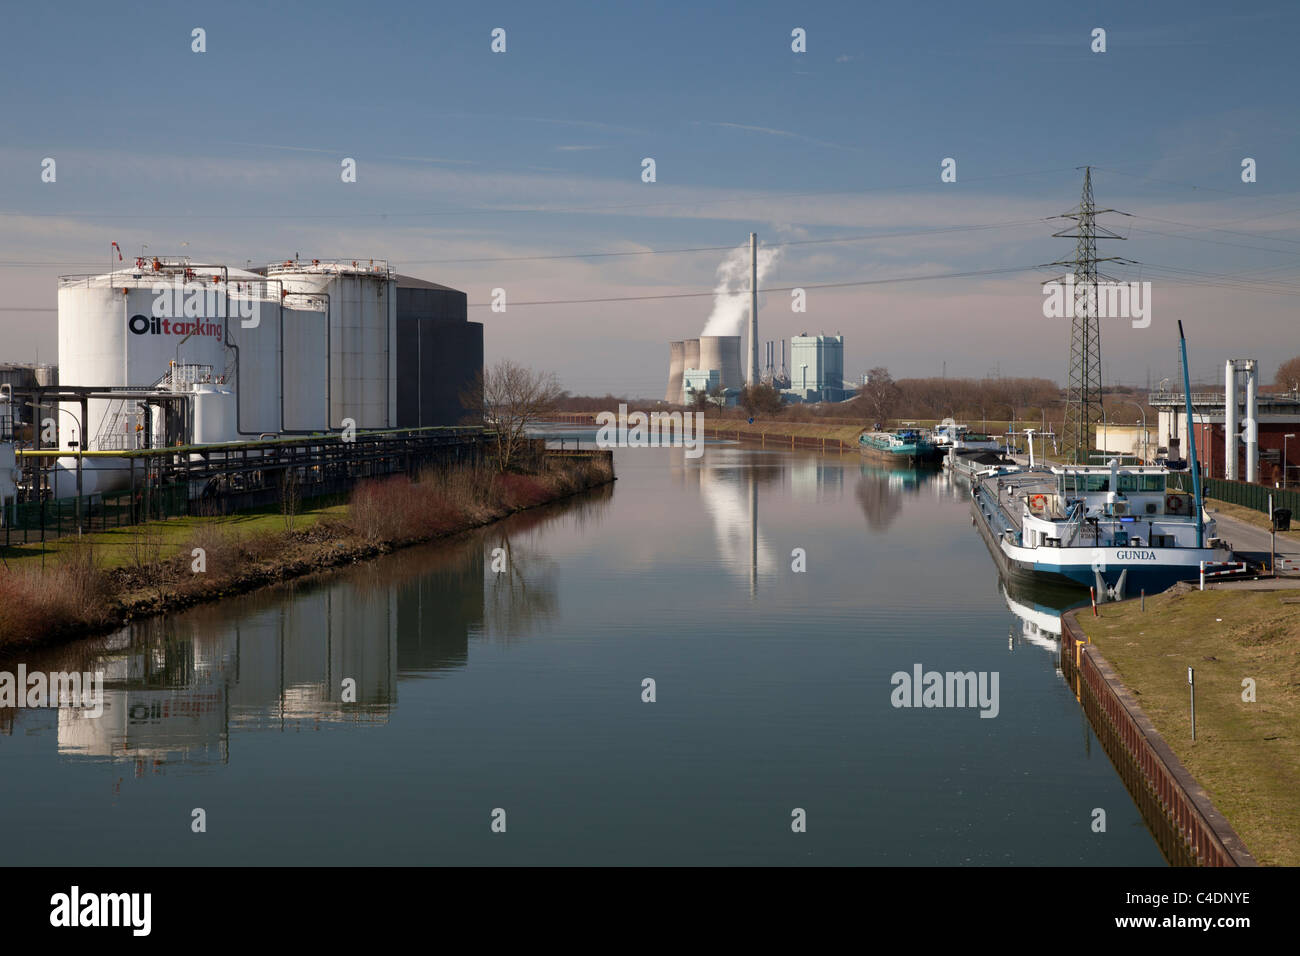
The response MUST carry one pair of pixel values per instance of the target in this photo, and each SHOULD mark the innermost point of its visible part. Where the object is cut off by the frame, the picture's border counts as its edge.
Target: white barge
(1114, 528)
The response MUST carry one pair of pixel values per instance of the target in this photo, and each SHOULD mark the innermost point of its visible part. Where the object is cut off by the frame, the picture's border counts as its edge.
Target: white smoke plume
(731, 294)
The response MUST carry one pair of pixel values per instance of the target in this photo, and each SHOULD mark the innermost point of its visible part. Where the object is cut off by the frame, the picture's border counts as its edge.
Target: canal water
(516, 696)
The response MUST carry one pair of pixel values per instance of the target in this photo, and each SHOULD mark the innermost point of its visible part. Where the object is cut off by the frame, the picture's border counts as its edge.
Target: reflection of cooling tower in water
(676, 360)
(731, 501)
(723, 353)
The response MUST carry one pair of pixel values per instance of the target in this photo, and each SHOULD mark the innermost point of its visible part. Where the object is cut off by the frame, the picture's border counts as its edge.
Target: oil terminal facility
(211, 381)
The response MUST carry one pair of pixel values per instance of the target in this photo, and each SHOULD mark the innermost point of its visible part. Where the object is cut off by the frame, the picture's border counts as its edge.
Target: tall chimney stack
(753, 309)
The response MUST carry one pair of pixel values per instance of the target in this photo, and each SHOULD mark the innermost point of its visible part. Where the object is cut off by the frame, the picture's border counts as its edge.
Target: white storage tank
(306, 365)
(214, 414)
(362, 304)
(281, 361)
(126, 329)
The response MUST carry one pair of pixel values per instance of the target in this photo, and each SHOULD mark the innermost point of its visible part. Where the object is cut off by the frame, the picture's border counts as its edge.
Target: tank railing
(238, 287)
(187, 375)
(367, 266)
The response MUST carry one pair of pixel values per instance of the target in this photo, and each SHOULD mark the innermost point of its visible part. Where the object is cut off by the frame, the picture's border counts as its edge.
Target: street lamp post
(1284, 440)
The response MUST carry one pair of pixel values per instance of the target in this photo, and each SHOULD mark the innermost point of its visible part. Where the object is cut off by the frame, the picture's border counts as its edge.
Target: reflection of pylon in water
(1083, 409)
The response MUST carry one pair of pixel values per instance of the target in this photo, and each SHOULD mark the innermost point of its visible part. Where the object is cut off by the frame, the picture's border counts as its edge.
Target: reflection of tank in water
(176, 687)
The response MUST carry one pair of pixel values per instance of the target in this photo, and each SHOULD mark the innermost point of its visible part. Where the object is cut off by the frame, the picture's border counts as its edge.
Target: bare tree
(510, 399)
(1288, 374)
(879, 394)
(760, 399)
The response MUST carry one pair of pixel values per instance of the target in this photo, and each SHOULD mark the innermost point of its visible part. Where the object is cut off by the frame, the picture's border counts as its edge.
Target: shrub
(36, 605)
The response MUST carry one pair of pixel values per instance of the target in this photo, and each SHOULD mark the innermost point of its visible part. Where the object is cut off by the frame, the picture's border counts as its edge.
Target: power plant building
(817, 368)
(695, 380)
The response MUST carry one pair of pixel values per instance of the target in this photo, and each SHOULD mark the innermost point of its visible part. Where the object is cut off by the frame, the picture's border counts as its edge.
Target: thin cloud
(784, 133)
(548, 120)
(343, 152)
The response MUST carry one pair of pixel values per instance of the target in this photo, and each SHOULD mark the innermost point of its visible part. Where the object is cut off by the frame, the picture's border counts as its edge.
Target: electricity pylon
(1083, 409)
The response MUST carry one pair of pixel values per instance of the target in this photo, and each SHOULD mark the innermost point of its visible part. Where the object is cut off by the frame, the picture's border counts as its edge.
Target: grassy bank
(156, 540)
(90, 584)
(1246, 755)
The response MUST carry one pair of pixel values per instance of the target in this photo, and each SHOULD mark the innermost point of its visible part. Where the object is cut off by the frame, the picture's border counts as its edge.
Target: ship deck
(1007, 490)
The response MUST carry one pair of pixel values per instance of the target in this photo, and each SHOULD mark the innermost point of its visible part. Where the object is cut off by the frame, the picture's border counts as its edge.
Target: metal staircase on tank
(113, 434)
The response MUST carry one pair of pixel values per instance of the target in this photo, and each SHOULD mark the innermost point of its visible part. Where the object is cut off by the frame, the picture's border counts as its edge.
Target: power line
(1217, 242)
(727, 248)
(714, 292)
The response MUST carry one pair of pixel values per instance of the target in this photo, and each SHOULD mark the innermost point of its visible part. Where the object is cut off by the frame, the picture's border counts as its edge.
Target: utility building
(817, 368)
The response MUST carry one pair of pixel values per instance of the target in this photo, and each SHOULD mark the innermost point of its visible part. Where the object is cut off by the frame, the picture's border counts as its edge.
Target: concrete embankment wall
(1186, 825)
(836, 437)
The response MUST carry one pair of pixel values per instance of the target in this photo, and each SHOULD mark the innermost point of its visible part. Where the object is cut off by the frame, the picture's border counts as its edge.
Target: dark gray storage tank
(439, 353)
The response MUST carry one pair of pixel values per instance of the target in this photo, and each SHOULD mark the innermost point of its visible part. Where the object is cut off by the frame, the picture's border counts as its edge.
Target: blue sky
(464, 154)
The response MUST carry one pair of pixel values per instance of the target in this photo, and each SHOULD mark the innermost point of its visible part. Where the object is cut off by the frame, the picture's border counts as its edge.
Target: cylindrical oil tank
(676, 356)
(723, 353)
(306, 365)
(214, 414)
(255, 375)
(126, 329)
(46, 376)
(362, 303)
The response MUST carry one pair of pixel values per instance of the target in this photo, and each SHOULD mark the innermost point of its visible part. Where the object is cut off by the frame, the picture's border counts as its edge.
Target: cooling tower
(692, 357)
(723, 353)
(676, 355)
